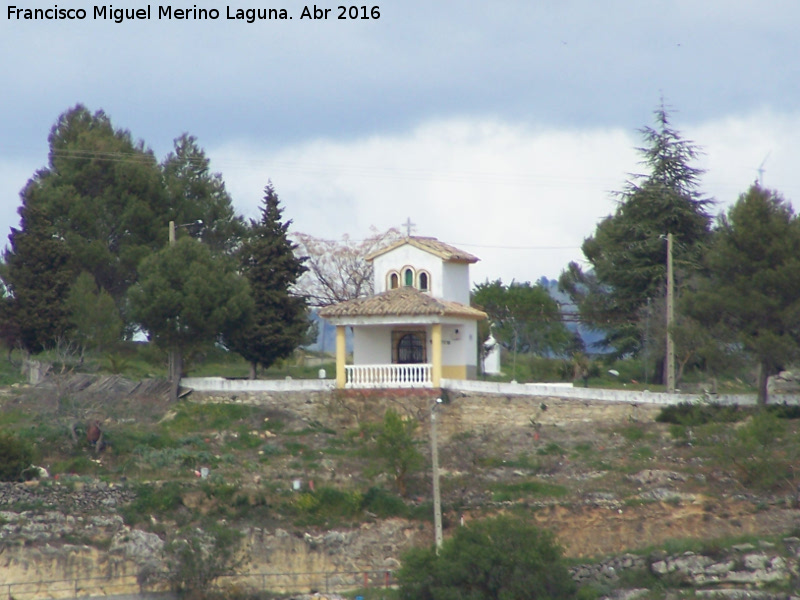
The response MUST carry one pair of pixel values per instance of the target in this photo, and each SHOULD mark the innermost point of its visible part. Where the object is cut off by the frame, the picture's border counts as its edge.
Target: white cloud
(14, 174)
(737, 147)
(521, 198)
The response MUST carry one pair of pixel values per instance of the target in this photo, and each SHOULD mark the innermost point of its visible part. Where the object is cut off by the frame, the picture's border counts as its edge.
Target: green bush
(785, 411)
(632, 433)
(75, 465)
(191, 417)
(196, 558)
(16, 457)
(383, 503)
(549, 369)
(695, 414)
(325, 505)
(393, 444)
(503, 557)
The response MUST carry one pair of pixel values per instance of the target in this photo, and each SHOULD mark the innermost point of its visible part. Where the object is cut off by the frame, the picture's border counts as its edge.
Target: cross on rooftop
(409, 226)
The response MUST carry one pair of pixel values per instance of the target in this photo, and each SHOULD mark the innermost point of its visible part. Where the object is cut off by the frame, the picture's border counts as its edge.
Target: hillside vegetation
(624, 479)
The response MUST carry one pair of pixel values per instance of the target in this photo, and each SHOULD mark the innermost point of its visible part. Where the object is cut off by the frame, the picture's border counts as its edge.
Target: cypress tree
(267, 259)
(37, 275)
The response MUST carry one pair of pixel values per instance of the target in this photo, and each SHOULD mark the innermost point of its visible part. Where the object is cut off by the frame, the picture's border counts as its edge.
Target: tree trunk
(174, 375)
(253, 370)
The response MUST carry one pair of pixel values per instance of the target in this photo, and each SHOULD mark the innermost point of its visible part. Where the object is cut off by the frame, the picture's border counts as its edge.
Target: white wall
(408, 255)
(607, 395)
(372, 345)
(449, 281)
(220, 384)
(456, 282)
(461, 351)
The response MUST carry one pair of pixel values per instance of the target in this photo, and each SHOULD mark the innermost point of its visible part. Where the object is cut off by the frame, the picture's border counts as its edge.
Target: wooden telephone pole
(669, 365)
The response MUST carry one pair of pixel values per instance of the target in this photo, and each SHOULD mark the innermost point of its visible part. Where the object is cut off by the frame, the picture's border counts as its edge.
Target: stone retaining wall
(461, 412)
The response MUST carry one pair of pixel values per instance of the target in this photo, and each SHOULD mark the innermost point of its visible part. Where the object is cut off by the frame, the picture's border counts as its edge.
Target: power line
(499, 247)
(372, 171)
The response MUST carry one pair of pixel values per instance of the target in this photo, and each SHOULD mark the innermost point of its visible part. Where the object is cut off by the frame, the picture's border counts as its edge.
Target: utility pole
(173, 362)
(437, 498)
(670, 361)
(171, 354)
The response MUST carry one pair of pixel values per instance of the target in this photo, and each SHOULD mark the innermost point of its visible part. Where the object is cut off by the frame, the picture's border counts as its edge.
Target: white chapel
(418, 327)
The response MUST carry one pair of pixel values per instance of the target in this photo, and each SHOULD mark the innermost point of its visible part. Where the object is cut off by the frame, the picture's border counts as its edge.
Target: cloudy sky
(501, 127)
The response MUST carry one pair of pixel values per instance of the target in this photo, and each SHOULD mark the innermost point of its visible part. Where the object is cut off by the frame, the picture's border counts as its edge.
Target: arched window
(411, 349)
(424, 281)
(409, 277)
(394, 281)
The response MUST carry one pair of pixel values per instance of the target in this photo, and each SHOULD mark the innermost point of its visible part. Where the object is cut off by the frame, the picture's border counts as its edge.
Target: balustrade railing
(389, 376)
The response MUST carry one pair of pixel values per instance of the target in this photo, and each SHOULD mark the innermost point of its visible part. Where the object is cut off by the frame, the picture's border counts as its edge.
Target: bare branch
(337, 269)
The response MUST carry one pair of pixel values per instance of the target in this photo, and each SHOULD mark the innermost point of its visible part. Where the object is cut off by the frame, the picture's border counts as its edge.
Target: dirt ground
(629, 487)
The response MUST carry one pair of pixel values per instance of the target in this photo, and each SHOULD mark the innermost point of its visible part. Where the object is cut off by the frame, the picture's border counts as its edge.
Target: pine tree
(186, 295)
(110, 202)
(267, 258)
(93, 315)
(101, 198)
(195, 195)
(750, 290)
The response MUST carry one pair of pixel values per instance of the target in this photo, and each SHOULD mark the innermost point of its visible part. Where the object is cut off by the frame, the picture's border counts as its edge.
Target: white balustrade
(389, 376)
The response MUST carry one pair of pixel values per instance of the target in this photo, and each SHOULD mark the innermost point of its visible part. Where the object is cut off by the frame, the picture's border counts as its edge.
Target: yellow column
(436, 352)
(341, 356)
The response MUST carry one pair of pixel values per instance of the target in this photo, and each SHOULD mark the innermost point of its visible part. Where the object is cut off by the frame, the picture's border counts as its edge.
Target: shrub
(195, 559)
(326, 504)
(396, 448)
(503, 557)
(695, 414)
(383, 504)
(16, 457)
(785, 411)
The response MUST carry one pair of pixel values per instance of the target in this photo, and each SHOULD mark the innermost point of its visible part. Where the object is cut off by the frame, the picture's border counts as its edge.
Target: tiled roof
(405, 301)
(444, 251)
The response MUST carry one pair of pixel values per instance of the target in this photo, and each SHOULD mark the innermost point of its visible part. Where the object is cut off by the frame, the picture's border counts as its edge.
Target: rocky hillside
(297, 477)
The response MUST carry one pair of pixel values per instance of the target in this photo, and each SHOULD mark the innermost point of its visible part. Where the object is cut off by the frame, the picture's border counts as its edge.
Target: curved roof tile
(405, 301)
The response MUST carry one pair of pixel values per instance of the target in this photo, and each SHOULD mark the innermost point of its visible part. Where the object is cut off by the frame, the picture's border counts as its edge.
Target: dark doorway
(411, 349)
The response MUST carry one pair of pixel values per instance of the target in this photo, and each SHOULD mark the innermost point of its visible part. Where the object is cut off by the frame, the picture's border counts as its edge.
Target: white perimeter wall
(220, 384)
